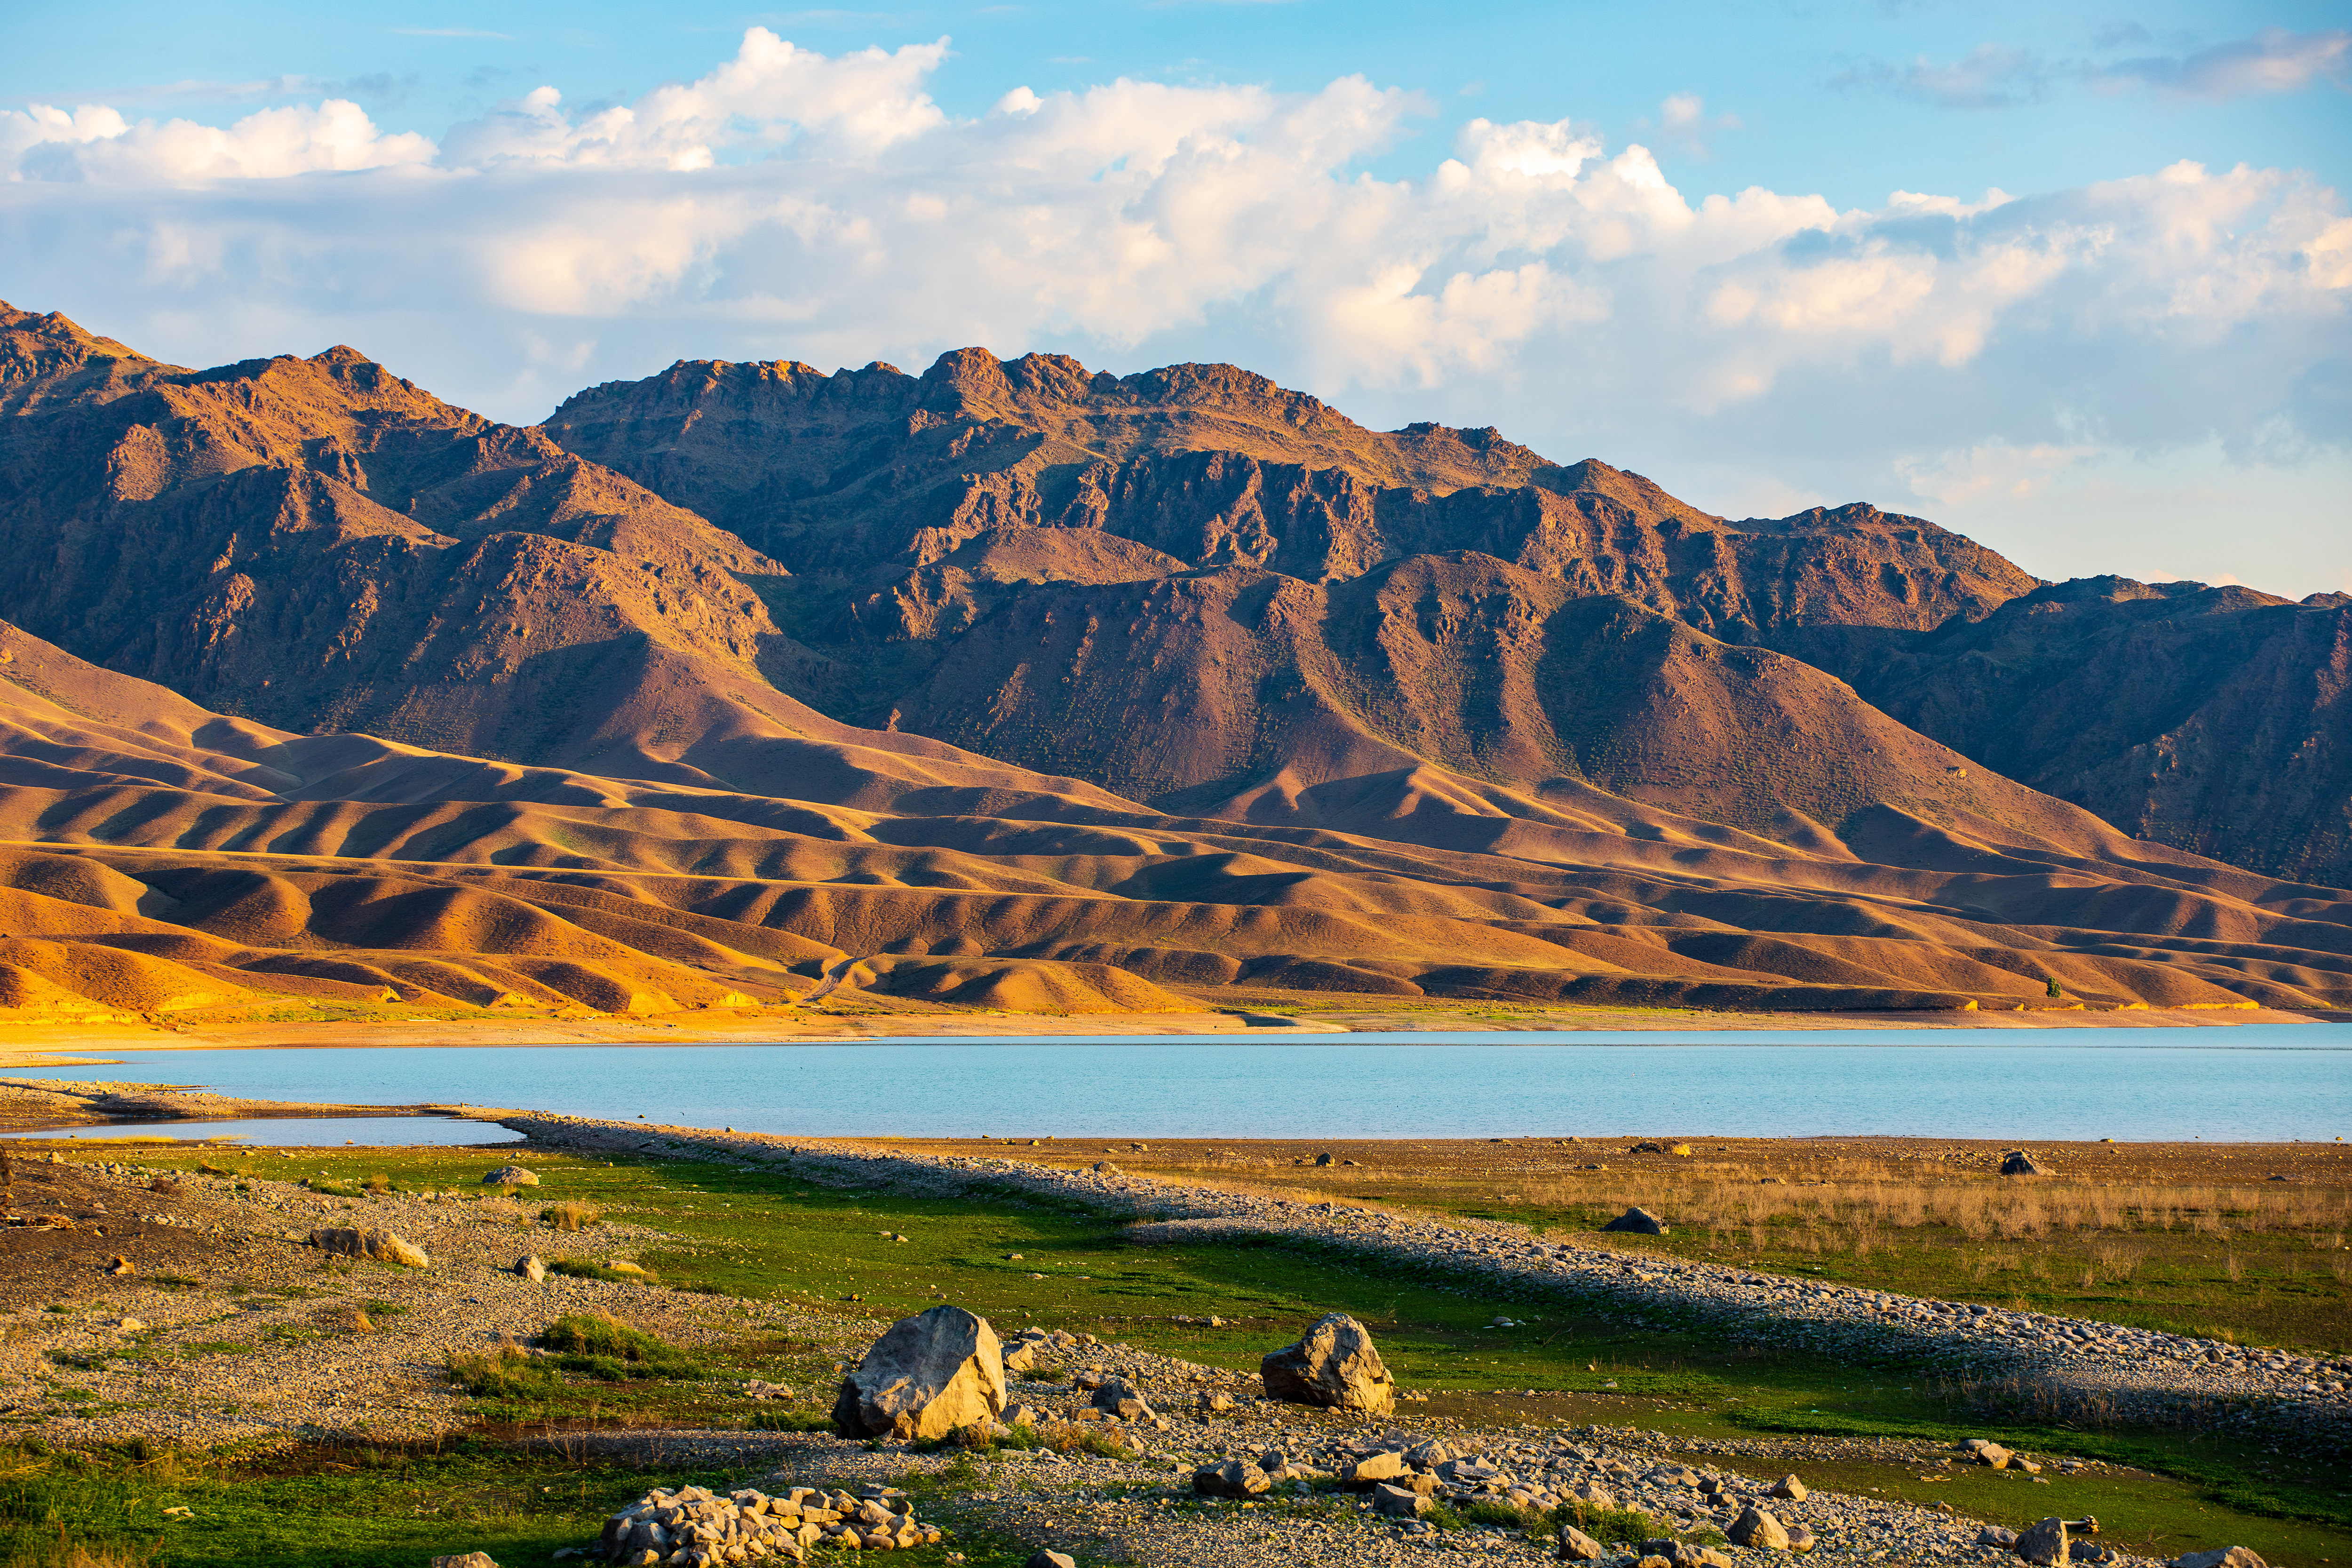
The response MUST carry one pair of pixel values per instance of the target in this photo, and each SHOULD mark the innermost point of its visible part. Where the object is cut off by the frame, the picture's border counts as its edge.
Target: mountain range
(1015, 686)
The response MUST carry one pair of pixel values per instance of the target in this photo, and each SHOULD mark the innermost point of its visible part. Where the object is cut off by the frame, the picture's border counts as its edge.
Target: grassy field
(766, 1237)
(2176, 1238)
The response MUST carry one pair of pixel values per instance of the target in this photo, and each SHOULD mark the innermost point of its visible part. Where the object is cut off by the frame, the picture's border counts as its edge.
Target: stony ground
(2124, 1369)
(284, 1340)
(276, 1347)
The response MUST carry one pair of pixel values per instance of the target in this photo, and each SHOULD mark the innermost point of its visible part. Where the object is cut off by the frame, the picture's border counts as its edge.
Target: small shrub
(379, 1182)
(571, 1215)
(331, 1189)
(1043, 1375)
(586, 1269)
(605, 1347)
(1605, 1524)
(505, 1374)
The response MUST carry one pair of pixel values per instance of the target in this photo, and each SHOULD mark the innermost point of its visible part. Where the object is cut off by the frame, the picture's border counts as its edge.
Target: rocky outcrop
(1334, 1364)
(928, 1375)
(383, 1246)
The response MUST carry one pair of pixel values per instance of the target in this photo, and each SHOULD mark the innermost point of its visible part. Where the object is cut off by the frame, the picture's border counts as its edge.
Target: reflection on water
(2257, 1082)
(296, 1131)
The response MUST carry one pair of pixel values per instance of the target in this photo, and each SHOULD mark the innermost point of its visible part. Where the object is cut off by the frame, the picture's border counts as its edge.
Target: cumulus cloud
(95, 142)
(823, 207)
(770, 93)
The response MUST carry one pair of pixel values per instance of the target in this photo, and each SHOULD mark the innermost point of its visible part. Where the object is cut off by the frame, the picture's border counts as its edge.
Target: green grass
(2255, 1287)
(767, 1238)
(348, 1506)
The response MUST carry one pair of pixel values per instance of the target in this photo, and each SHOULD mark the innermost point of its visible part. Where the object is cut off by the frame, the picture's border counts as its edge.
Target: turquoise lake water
(2250, 1082)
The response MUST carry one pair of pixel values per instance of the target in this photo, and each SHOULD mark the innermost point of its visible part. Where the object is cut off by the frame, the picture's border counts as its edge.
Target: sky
(2071, 279)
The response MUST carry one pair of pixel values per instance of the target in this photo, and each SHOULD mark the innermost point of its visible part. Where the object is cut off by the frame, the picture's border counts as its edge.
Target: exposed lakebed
(2260, 1082)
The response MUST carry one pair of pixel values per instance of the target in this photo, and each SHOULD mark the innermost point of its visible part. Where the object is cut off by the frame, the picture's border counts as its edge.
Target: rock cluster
(693, 1527)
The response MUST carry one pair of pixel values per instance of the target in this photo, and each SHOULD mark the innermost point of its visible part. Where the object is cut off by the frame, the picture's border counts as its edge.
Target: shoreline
(44, 1045)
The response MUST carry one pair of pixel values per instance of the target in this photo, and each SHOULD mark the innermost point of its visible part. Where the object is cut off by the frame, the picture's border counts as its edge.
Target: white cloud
(794, 204)
(94, 142)
(770, 93)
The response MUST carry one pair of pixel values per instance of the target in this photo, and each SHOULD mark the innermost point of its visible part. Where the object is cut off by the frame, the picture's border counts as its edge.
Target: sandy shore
(54, 1045)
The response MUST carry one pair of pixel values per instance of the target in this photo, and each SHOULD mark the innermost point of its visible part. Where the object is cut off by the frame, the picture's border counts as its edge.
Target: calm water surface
(2254, 1081)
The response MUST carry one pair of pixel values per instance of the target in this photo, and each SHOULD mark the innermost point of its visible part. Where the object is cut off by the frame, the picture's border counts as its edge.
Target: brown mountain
(2214, 720)
(1182, 688)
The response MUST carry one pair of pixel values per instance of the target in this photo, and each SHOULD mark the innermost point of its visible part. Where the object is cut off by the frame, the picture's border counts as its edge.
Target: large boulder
(1758, 1529)
(2222, 1557)
(1332, 1365)
(1639, 1221)
(1230, 1478)
(510, 1176)
(1575, 1546)
(2018, 1163)
(341, 1241)
(2045, 1544)
(928, 1375)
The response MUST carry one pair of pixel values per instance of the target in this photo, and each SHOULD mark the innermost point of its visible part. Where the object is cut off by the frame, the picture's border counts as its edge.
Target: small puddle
(289, 1132)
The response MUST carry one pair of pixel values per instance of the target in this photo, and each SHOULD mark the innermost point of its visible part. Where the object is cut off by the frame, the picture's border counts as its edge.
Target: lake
(2256, 1082)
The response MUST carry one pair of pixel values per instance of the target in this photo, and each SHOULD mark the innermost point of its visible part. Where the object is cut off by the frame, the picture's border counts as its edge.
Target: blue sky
(2071, 279)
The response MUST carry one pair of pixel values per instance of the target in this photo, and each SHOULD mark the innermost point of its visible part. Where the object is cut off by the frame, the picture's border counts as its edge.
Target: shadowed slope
(2212, 719)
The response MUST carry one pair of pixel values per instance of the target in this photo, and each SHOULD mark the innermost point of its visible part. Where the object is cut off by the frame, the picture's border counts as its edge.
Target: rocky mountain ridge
(1011, 682)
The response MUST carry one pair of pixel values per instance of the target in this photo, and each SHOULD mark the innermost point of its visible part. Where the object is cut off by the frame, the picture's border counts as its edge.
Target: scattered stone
(1118, 1397)
(1230, 1478)
(1987, 1452)
(1639, 1221)
(342, 1241)
(1756, 1527)
(1216, 1401)
(2018, 1163)
(130, 1325)
(1994, 1535)
(2046, 1544)
(531, 1267)
(465, 1560)
(1383, 1467)
(118, 1266)
(928, 1375)
(1045, 1559)
(1333, 1365)
(510, 1176)
(1398, 1502)
(1792, 1488)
